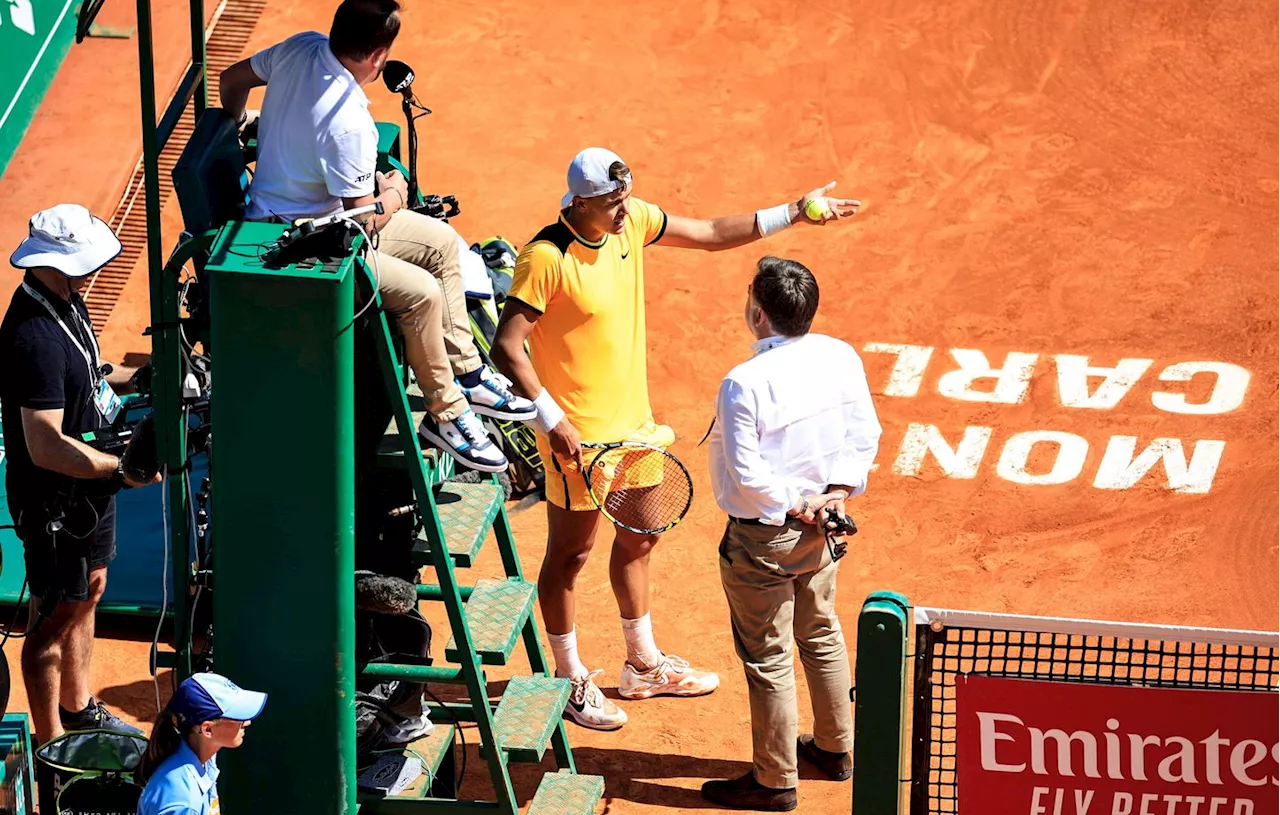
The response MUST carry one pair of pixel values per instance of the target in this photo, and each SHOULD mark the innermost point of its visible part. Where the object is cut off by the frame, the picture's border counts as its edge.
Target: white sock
(642, 651)
(564, 647)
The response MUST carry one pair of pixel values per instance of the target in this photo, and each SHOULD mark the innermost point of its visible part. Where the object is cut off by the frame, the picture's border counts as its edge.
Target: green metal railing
(166, 348)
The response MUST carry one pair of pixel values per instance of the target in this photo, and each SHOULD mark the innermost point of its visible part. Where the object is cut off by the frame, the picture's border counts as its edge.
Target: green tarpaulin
(34, 38)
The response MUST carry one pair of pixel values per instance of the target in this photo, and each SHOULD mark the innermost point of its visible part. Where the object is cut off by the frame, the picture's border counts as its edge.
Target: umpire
(794, 437)
(61, 493)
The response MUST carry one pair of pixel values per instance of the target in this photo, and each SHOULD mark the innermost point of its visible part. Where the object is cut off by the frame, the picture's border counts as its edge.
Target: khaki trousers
(431, 308)
(781, 586)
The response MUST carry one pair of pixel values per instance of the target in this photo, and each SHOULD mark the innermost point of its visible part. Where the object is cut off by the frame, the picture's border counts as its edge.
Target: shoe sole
(745, 807)
(636, 696)
(446, 448)
(506, 416)
(603, 728)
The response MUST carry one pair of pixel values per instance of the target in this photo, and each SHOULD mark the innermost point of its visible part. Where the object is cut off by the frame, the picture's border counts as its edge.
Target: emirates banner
(1061, 748)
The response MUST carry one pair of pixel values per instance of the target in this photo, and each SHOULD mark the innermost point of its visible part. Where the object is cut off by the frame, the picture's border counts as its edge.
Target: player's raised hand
(817, 208)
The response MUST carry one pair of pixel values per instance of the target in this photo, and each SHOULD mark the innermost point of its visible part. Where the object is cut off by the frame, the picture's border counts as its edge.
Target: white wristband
(549, 413)
(773, 220)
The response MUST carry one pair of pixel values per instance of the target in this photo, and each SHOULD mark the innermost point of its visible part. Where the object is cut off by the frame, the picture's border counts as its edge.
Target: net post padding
(879, 703)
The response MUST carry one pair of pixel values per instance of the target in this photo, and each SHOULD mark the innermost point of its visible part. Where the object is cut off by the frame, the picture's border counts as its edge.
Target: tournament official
(61, 492)
(578, 299)
(795, 435)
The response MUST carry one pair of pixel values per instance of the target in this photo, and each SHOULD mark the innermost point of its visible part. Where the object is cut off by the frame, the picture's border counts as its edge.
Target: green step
(467, 512)
(530, 709)
(565, 793)
(496, 613)
(432, 748)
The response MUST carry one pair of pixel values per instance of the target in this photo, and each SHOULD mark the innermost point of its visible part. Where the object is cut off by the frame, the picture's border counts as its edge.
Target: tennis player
(578, 299)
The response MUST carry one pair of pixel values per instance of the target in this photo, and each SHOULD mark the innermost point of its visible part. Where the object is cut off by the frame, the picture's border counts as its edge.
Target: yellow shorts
(565, 485)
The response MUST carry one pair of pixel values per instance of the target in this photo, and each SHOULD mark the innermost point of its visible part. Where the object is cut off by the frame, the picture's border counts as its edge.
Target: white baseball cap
(68, 238)
(589, 175)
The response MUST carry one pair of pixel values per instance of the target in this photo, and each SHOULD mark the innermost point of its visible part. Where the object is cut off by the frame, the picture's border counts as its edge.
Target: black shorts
(59, 561)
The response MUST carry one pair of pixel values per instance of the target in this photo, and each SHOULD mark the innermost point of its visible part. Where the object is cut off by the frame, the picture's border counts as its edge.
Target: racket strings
(645, 489)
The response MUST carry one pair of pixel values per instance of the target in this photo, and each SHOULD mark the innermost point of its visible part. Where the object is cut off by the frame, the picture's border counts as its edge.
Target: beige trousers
(431, 308)
(781, 586)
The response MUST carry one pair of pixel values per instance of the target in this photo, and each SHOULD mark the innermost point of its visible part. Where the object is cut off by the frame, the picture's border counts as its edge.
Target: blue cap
(204, 697)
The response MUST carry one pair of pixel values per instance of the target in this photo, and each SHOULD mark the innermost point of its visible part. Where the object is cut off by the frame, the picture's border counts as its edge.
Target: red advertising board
(1062, 748)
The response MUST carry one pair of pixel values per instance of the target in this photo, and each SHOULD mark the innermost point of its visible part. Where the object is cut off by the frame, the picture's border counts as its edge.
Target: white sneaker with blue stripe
(466, 440)
(494, 397)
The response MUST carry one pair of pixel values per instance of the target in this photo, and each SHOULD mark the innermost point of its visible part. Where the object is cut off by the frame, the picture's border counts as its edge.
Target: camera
(838, 523)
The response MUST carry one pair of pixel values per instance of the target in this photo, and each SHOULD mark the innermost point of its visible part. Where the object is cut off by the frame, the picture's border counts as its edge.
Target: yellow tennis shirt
(588, 347)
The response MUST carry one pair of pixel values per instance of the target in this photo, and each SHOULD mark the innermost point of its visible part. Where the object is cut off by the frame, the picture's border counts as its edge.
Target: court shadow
(631, 775)
(138, 699)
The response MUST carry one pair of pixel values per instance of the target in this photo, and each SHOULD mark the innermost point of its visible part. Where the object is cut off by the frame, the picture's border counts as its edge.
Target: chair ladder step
(566, 793)
(467, 513)
(432, 749)
(496, 614)
(530, 709)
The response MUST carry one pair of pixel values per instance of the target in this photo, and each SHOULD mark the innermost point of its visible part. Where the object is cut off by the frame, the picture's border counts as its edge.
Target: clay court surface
(1049, 178)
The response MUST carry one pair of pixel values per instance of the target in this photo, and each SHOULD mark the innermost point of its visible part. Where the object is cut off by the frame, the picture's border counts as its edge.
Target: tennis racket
(637, 486)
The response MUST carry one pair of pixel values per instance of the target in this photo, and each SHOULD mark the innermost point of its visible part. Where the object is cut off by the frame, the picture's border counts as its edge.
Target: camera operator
(794, 437)
(61, 492)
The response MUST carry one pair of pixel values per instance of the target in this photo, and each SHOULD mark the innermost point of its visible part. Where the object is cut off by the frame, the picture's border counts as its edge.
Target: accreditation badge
(106, 401)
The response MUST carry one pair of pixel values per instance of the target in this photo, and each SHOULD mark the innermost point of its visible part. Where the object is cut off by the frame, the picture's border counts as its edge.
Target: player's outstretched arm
(731, 231)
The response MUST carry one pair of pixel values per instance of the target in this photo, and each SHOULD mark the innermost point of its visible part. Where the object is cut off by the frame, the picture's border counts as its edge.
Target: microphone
(381, 594)
(398, 77)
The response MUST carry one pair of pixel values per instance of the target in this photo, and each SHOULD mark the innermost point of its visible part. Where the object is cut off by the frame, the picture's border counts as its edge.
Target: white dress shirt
(317, 141)
(790, 421)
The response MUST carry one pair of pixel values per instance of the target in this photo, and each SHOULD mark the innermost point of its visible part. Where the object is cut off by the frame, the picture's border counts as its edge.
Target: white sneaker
(672, 676)
(466, 440)
(589, 707)
(494, 397)
(409, 730)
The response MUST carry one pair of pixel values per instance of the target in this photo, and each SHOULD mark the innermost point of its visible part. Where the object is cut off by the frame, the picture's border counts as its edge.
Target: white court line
(1065, 625)
(34, 63)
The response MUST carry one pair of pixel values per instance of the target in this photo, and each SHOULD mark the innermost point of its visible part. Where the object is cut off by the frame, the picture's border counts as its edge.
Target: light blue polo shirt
(182, 785)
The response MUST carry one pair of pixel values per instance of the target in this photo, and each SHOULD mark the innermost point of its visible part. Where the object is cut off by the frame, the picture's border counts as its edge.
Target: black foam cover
(380, 594)
(397, 75)
(141, 460)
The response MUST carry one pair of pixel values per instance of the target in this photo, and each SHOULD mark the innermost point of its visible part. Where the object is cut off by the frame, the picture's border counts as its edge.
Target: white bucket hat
(68, 238)
(589, 175)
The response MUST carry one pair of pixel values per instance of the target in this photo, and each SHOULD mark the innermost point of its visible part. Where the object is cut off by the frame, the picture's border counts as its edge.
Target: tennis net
(952, 646)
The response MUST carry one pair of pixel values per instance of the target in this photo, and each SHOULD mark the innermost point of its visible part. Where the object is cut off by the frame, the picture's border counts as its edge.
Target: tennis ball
(817, 209)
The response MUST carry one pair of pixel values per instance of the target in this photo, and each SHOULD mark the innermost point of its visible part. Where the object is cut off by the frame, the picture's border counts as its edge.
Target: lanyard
(90, 360)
